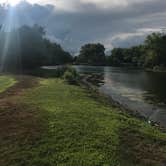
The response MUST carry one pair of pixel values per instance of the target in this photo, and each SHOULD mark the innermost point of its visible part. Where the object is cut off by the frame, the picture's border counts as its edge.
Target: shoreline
(93, 88)
(155, 70)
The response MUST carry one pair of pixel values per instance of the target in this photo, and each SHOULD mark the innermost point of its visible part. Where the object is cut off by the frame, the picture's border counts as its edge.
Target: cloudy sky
(72, 23)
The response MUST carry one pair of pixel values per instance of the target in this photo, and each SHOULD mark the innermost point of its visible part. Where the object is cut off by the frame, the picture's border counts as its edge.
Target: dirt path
(7, 102)
(18, 121)
(24, 82)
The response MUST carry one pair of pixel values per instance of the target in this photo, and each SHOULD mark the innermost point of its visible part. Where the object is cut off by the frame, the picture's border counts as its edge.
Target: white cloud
(150, 30)
(137, 33)
(76, 5)
(124, 36)
(107, 3)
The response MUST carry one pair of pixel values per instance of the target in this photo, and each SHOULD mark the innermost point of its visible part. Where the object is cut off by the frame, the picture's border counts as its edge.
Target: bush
(68, 73)
(71, 75)
(46, 73)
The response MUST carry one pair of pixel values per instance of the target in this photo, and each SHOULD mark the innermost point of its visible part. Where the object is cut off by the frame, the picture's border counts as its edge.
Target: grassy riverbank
(53, 123)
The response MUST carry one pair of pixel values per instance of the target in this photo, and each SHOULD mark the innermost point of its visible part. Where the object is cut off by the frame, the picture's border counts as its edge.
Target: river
(136, 89)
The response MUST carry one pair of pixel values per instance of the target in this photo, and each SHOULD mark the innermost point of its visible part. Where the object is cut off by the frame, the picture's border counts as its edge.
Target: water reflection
(136, 89)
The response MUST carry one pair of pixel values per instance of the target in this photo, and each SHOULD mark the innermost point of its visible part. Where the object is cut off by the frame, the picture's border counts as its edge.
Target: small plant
(71, 75)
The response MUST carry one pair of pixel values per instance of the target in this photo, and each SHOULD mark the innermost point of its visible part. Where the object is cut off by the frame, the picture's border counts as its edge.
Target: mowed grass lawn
(60, 124)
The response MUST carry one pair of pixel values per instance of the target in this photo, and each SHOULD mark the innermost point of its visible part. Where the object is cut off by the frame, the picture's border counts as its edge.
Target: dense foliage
(127, 56)
(151, 54)
(92, 54)
(27, 48)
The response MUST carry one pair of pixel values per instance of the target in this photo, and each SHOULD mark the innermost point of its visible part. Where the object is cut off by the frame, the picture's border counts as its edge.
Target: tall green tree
(92, 54)
(156, 52)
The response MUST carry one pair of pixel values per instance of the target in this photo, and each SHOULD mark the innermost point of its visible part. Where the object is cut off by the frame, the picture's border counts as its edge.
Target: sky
(72, 23)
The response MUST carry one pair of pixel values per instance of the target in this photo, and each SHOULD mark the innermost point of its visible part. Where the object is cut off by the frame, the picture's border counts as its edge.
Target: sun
(12, 2)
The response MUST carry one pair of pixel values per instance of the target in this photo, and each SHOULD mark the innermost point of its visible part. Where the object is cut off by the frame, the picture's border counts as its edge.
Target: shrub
(41, 72)
(71, 75)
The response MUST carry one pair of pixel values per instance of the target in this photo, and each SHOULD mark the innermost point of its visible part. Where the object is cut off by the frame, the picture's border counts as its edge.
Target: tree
(92, 54)
(151, 59)
(32, 46)
(155, 45)
(56, 55)
(27, 48)
(117, 57)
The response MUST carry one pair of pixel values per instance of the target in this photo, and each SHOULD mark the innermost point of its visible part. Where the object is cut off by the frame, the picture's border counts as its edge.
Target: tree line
(151, 54)
(27, 48)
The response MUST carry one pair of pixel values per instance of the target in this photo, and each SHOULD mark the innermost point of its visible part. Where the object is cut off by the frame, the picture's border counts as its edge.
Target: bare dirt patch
(19, 122)
(141, 150)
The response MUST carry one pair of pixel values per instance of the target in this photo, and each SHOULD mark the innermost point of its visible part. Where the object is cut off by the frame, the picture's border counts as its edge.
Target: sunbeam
(10, 23)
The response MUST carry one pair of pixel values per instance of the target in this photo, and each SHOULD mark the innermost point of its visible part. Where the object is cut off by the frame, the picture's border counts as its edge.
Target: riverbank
(92, 81)
(53, 123)
(156, 69)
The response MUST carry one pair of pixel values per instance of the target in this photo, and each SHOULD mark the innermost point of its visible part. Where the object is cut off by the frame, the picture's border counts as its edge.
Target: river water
(136, 89)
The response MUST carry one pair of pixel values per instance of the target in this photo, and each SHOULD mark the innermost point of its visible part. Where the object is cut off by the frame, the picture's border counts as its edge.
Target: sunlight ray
(10, 23)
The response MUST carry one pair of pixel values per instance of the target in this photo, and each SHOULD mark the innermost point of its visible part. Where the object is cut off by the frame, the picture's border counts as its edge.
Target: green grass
(70, 128)
(6, 82)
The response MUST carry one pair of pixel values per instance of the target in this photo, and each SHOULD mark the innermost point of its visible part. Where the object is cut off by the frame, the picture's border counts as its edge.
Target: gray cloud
(111, 22)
